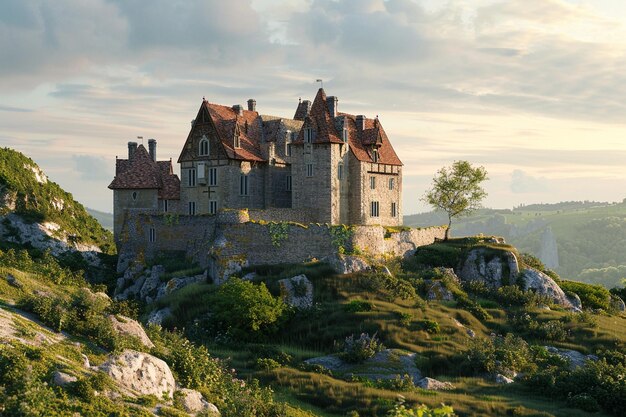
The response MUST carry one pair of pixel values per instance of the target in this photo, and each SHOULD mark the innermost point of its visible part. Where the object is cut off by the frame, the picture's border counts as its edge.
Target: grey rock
(175, 284)
(477, 267)
(141, 373)
(62, 379)
(434, 384)
(14, 282)
(574, 358)
(501, 379)
(128, 327)
(193, 402)
(297, 291)
(86, 363)
(471, 333)
(346, 264)
(531, 279)
(250, 276)
(152, 282)
(574, 299)
(156, 317)
(436, 291)
(617, 303)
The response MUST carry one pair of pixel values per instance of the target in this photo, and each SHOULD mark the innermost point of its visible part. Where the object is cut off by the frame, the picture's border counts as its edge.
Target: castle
(261, 189)
(322, 166)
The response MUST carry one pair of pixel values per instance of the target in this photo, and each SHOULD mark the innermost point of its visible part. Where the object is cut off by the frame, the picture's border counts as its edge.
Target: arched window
(204, 146)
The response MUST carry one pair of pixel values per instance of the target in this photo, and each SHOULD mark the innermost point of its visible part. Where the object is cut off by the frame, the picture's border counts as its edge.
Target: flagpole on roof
(319, 80)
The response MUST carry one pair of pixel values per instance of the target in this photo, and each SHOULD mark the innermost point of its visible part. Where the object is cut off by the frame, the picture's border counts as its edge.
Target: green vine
(278, 232)
(171, 219)
(341, 236)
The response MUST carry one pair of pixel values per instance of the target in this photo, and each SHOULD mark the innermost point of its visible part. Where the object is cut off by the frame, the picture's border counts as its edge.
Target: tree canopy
(456, 190)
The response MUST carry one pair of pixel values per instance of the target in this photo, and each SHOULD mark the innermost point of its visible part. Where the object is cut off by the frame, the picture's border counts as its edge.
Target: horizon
(530, 90)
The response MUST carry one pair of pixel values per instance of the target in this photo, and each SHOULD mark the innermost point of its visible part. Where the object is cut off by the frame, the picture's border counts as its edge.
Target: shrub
(395, 287)
(400, 410)
(584, 402)
(267, 364)
(358, 350)
(430, 326)
(499, 355)
(591, 296)
(358, 305)
(464, 302)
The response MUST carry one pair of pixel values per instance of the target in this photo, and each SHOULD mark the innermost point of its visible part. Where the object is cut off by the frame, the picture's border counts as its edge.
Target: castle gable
(372, 136)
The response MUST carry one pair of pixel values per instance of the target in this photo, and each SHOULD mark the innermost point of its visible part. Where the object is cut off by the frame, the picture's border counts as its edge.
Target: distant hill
(105, 219)
(580, 240)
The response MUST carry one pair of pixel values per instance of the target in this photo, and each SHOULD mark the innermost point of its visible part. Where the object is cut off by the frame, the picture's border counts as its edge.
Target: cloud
(92, 168)
(521, 182)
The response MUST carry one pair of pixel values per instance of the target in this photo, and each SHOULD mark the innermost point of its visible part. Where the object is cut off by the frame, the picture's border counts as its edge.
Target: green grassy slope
(590, 236)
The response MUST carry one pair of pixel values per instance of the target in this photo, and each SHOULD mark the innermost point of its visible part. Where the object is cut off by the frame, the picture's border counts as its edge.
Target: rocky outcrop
(157, 316)
(537, 281)
(574, 358)
(346, 264)
(148, 286)
(128, 327)
(437, 291)
(617, 303)
(297, 291)
(574, 299)
(493, 268)
(14, 282)
(501, 379)
(434, 385)
(193, 402)
(61, 379)
(141, 373)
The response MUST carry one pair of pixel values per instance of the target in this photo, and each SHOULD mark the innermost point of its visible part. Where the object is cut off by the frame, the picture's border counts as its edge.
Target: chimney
(332, 105)
(252, 104)
(152, 149)
(360, 122)
(238, 108)
(192, 122)
(132, 147)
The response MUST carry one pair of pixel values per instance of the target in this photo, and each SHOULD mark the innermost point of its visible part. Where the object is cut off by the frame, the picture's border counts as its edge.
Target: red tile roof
(141, 172)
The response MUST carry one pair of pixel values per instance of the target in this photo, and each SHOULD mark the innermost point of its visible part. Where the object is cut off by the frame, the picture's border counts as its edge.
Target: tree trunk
(447, 235)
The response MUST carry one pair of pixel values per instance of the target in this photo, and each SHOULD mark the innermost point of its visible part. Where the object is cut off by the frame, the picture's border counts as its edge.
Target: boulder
(86, 363)
(175, 284)
(250, 276)
(152, 283)
(14, 282)
(346, 264)
(617, 303)
(537, 281)
(61, 379)
(157, 316)
(128, 327)
(437, 291)
(141, 373)
(495, 270)
(297, 291)
(434, 384)
(501, 379)
(574, 300)
(574, 358)
(193, 402)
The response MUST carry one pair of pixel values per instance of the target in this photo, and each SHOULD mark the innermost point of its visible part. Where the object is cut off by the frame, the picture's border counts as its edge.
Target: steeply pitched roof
(248, 126)
(303, 110)
(141, 172)
(321, 121)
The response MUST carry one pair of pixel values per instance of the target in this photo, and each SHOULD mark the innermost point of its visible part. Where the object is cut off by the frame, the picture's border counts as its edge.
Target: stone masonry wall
(283, 215)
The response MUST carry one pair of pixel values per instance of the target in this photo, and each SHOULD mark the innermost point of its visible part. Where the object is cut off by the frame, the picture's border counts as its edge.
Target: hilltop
(580, 240)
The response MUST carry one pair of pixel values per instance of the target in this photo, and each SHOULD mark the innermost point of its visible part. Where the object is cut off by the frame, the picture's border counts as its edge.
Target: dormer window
(308, 135)
(236, 142)
(375, 155)
(344, 135)
(204, 147)
(288, 140)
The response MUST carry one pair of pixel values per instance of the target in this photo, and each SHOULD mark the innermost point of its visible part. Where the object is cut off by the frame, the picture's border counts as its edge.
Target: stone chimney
(360, 122)
(238, 108)
(332, 105)
(132, 147)
(252, 104)
(152, 149)
(193, 122)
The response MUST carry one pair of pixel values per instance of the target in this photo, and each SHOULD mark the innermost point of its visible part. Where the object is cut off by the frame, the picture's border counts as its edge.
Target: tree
(456, 190)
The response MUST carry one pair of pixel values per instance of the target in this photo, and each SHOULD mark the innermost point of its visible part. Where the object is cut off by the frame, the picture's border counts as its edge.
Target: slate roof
(141, 172)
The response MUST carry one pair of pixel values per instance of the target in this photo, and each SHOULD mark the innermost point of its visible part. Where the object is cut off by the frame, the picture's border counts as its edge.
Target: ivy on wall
(278, 233)
(341, 236)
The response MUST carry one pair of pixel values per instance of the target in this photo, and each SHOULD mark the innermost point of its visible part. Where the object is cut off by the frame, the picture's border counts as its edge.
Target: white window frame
(152, 235)
(309, 170)
(192, 208)
(212, 206)
(213, 176)
(204, 143)
(244, 189)
(375, 209)
(191, 177)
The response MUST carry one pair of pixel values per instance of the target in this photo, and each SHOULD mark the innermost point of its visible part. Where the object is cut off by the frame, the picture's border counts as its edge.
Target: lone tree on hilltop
(456, 190)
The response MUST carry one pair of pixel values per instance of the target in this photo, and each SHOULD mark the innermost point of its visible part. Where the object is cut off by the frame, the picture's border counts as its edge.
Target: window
(374, 209)
(201, 173)
(373, 183)
(394, 210)
(375, 155)
(152, 234)
(243, 185)
(213, 176)
(288, 141)
(340, 171)
(344, 135)
(165, 206)
(236, 142)
(134, 195)
(191, 177)
(391, 183)
(212, 206)
(308, 135)
(192, 208)
(288, 182)
(204, 147)
(309, 170)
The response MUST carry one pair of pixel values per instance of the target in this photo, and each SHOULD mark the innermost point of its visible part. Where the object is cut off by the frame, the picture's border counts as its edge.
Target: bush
(395, 287)
(501, 355)
(356, 306)
(591, 296)
(430, 326)
(358, 350)
(400, 410)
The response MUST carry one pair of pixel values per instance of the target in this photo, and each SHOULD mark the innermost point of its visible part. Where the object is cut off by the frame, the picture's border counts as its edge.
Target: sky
(533, 90)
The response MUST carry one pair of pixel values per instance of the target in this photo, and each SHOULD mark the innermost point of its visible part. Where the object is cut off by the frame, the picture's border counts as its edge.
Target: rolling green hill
(590, 237)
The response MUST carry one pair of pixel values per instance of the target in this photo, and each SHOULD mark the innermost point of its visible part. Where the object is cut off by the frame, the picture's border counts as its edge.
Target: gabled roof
(141, 172)
(329, 130)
